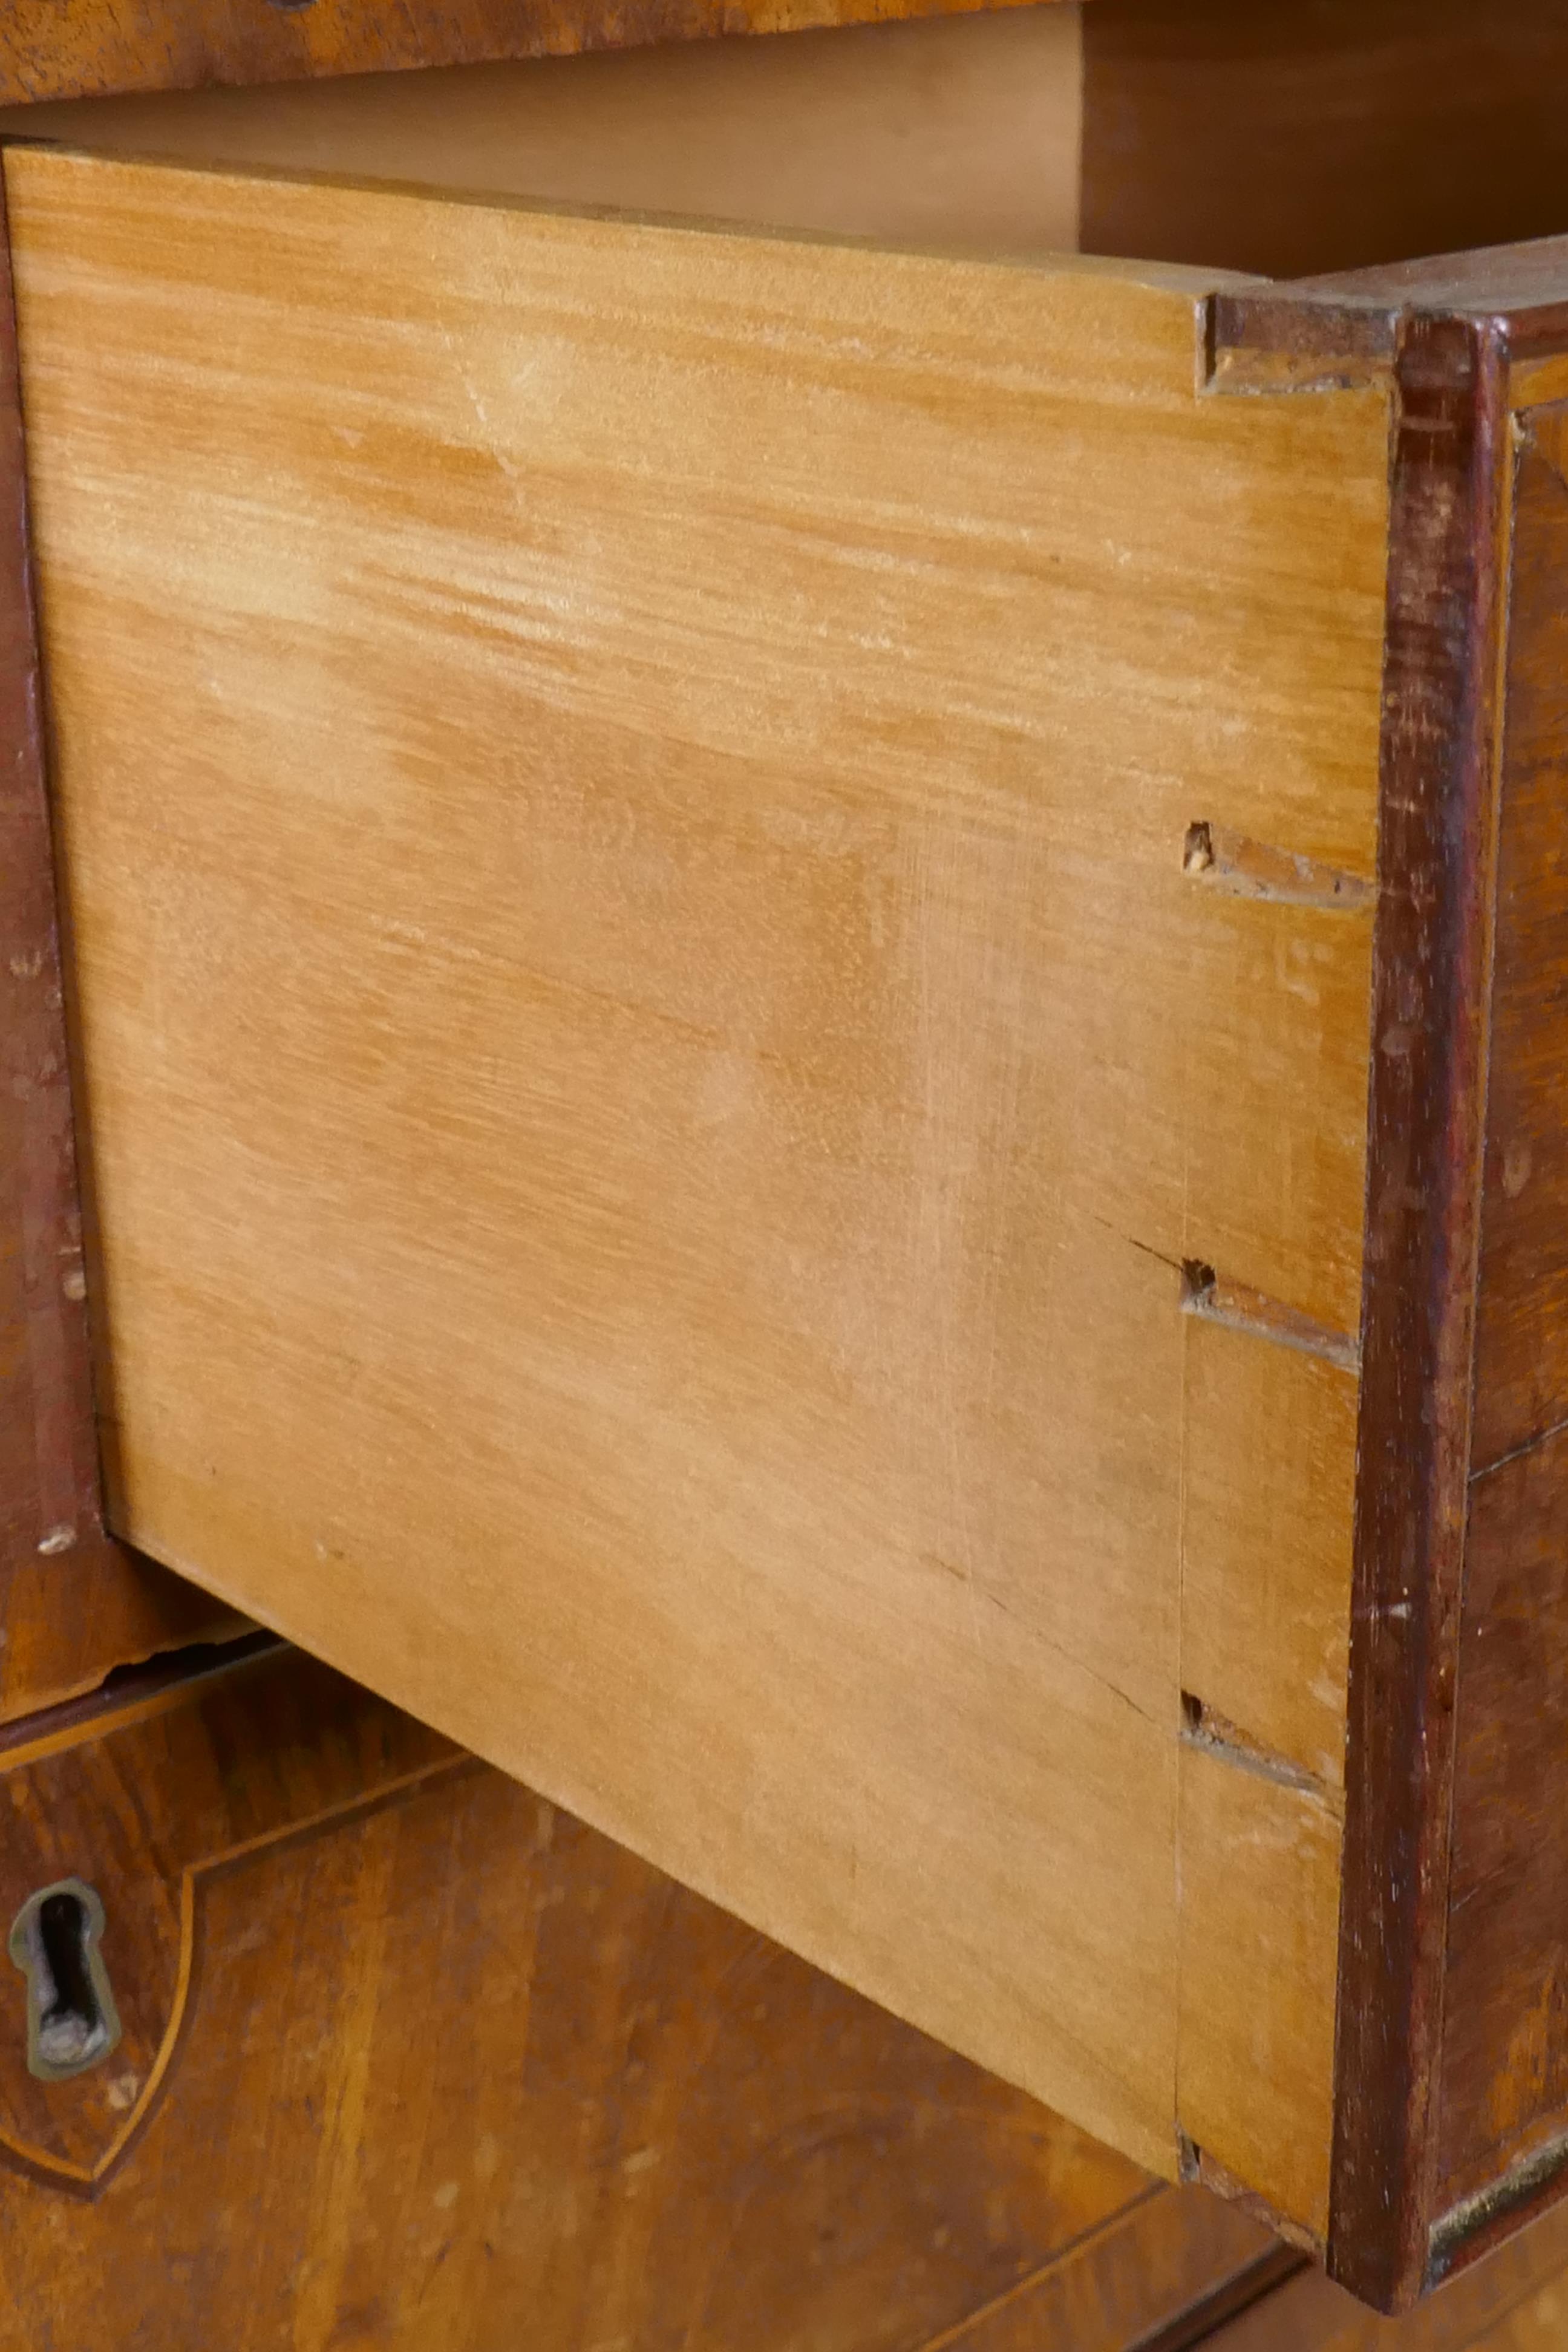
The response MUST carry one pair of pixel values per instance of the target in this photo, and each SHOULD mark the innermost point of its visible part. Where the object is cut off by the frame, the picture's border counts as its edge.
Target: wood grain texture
(1284, 140)
(1266, 1573)
(1513, 2302)
(1479, 1873)
(1504, 2090)
(1523, 1350)
(140, 1797)
(79, 48)
(1173, 2256)
(1491, 2147)
(1288, 139)
(693, 1305)
(1260, 1880)
(1527, 284)
(48, 1454)
(1504, 2085)
(953, 131)
(1226, 2301)
(1428, 1083)
(490, 2066)
(1536, 2326)
(69, 1624)
(1320, 134)
(73, 1602)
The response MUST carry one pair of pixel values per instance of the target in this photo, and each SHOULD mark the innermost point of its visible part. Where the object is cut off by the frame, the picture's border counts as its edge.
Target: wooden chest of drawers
(814, 992)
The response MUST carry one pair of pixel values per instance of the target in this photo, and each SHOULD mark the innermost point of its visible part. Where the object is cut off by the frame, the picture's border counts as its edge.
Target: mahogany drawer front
(409, 2055)
(411, 2060)
(815, 1030)
(1513, 2302)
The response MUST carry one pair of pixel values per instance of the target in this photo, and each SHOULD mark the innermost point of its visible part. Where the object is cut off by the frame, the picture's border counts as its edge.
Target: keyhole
(71, 2018)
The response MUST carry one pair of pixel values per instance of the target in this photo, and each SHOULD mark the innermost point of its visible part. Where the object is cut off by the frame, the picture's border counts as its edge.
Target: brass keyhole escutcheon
(55, 1940)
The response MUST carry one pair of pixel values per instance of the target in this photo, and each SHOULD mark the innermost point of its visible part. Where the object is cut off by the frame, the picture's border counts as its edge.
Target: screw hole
(1198, 1281)
(1197, 850)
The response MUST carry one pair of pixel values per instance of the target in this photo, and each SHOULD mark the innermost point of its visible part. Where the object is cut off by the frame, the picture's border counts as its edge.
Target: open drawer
(817, 1045)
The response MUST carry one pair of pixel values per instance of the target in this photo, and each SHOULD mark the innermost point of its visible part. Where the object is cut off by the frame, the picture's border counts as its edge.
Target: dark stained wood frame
(74, 1603)
(1425, 1115)
(48, 1469)
(252, 1761)
(1410, 126)
(1419, 2188)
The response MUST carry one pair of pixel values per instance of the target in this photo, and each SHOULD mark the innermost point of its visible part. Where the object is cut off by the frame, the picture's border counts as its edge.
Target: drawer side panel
(656, 1056)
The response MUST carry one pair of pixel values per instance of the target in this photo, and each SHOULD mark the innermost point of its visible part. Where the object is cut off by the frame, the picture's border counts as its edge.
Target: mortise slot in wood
(1253, 1311)
(1255, 869)
(1203, 1727)
(1264, 351)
